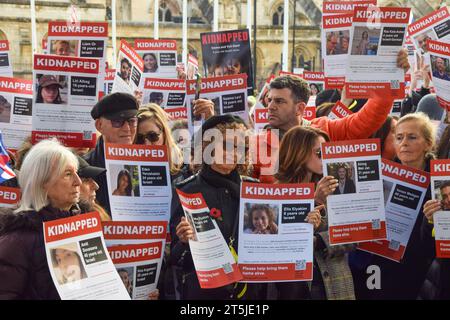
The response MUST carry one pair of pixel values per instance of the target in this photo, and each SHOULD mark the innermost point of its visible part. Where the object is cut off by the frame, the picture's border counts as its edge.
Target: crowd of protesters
(58, 182)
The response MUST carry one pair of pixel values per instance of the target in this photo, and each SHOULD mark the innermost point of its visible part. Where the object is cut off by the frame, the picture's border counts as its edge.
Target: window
(165, 15)
(278, 16)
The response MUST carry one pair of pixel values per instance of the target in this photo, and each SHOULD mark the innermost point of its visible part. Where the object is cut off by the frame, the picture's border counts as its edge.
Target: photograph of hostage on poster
(440, 190)
(138, 178)
(227, 53)
(78, 260)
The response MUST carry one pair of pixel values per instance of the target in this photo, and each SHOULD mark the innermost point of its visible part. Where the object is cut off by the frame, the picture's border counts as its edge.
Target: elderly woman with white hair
(50, 190)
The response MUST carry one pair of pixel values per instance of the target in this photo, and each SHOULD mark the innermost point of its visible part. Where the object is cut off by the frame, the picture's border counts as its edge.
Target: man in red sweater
(288, 97)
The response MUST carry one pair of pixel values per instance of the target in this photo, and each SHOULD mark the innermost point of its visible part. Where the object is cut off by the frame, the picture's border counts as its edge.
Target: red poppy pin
(216, 213)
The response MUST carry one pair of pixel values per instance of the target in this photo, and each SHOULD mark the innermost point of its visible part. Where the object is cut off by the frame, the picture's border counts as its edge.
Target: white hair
(45, 162)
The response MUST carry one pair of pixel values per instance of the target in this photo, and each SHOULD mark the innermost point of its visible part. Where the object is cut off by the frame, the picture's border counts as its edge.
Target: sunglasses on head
(151, 136)
(132, 122)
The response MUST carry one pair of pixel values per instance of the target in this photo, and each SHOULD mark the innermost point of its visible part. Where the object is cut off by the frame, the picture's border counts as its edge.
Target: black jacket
(349, 187)
(220, 192)
(437, 282)
(96, 158)
(24, 272)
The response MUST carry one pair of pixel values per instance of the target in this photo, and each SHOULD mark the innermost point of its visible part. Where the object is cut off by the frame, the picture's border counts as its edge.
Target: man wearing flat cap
(115, 118)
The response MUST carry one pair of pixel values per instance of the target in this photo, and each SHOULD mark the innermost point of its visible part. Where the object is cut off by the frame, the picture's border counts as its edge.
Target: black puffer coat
(437, 282)
(24, 272)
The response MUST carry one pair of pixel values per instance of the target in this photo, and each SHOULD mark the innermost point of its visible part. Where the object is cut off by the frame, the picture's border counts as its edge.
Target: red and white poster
(16, 96)
(78, 260)
(275, 241)
(83, 40)
(9, 197)
(229, 94)
(261, 118)
(440, 190)
(129, 69)
(138, 179)
(166, 93)
(66, 89)
(339, 111)
(434, 26)
(137, 249)
(213, 261)
(5, 60)
(377, 35)
(404, 189)
(440, 70)
(160, 57)
(316, 82)
(335, 48)
(356, 208)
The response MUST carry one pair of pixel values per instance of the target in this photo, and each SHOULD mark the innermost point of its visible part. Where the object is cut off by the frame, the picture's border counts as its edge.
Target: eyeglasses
(318, 153)
(151, 136)
(132, 122)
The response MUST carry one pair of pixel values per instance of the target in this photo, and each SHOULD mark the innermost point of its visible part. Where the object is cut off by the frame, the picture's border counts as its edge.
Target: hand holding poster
(440, 70)
(160, 57)
(440, 190)
(129, 67)
(356, 209)
(275, 241)
(5, 60)
(138, 178)
(229, 95)
(16, 96)
(227, 53)
(66, 90)
(79, 263)
(372, 63)
(136, 249)
(213, 261)
(404, 189)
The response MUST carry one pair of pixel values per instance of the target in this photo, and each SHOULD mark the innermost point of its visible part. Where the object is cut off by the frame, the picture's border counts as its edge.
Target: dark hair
(122, 270)
(127, 62)
(384, 131)
(125, 172)
(299, 88)
(40, 99)
(154, 57)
